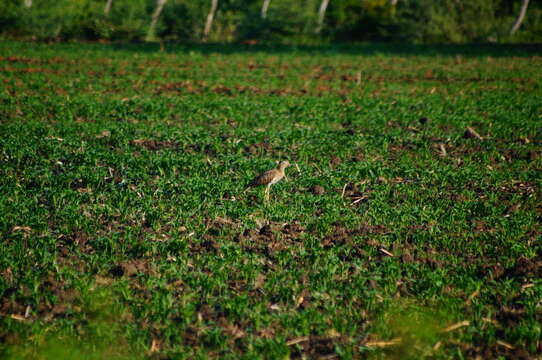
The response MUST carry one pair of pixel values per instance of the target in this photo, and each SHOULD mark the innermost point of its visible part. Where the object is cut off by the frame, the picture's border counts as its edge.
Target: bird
(270, 177)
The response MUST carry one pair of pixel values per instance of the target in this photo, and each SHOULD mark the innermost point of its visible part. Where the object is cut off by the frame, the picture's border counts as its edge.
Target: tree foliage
(289, 21)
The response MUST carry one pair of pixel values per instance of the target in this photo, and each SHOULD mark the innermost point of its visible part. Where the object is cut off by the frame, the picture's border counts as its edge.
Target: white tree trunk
(159, 6)
(265, 6)
(209, 22)
(393, 2)
(107, 7)
(321, 15)
(520, 18)
(28, 3)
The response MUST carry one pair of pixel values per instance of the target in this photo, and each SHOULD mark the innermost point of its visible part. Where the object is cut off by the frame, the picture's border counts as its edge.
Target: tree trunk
(321, 15)
(159, 6)
(393, 2)
(209, 22)
(28, 3)
(520, 18)
(107, 7)
(265, 6)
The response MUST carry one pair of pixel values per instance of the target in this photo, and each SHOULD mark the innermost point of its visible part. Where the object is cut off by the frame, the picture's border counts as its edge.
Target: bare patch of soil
(525, 267)
(130, 268)
(155, 144)
(497, 350)
(258, 148)
(272, 238)
(340, 235)
(316, 347)
(317, 190)
(16, 302)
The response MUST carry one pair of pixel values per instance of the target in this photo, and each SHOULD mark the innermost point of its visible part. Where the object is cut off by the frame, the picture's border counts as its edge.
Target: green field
(125, 230)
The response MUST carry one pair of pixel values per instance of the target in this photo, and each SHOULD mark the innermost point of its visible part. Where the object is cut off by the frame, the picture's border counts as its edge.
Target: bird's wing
(263, 179)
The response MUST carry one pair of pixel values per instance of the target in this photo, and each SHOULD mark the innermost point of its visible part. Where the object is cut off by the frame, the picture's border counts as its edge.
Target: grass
(125, 231)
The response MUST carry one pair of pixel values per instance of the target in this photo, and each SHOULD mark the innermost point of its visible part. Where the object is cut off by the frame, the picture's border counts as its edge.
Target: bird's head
(284, 164)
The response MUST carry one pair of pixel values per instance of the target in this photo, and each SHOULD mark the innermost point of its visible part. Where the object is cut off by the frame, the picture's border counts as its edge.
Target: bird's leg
(267, 192)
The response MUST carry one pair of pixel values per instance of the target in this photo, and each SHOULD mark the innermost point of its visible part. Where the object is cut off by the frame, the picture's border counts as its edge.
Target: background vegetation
(288, 21)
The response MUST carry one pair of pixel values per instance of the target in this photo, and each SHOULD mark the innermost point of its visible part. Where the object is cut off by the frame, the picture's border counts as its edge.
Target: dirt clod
(155, 144)
(131, 268)
(318, 190)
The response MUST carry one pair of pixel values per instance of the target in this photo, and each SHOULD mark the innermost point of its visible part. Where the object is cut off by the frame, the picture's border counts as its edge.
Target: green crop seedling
(125, 230)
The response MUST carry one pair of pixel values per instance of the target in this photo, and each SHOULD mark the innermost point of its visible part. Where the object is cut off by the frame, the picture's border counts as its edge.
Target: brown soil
(155, 144)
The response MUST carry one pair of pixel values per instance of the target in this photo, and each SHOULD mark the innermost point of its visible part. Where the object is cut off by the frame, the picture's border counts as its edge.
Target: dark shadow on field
(468, 50)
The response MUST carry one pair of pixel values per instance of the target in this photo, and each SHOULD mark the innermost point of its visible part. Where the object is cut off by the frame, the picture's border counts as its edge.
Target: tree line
(290, 21)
